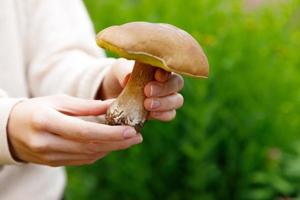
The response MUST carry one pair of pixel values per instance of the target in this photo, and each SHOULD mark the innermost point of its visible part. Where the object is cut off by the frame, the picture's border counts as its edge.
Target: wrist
(6, 107)
(10, 129)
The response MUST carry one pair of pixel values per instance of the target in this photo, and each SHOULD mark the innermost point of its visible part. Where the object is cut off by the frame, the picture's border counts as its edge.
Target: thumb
(122, 69)
(81, 107)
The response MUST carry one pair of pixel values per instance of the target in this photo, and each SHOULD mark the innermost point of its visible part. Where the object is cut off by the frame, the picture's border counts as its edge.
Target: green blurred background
(237, 136)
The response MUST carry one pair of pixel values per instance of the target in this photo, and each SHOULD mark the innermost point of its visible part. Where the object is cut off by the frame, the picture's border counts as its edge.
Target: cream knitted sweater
(47, 47)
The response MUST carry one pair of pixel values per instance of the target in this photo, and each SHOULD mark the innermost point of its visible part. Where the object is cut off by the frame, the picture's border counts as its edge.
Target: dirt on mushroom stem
(128, 108)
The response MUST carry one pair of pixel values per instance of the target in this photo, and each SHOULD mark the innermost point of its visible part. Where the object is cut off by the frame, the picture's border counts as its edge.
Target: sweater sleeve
(6, 104)
(62, 53)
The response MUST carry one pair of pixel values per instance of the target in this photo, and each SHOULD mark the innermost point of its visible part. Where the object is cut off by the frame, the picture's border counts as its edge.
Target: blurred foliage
(236, 136)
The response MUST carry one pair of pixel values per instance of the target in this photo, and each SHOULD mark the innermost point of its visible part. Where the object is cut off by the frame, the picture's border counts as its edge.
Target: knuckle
(37, 145)
(91, 149)
(112, 135)
(46, 159)
(84, 132)
(40, 119)
(109, 133)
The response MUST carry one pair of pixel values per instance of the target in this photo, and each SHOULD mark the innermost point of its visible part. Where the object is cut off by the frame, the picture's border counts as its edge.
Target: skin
(162, 97)
(47, 130)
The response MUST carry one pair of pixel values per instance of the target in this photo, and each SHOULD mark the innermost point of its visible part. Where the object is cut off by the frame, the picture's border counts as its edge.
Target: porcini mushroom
(151, 45)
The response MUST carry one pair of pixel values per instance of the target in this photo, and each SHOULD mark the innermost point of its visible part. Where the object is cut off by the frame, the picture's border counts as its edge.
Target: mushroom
(151, 45)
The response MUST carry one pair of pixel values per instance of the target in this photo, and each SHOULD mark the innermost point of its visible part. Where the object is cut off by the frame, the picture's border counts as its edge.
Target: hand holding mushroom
(153, 47)
(161, 95)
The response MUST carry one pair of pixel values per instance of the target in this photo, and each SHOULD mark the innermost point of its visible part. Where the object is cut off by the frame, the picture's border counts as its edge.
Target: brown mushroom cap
(160, 45)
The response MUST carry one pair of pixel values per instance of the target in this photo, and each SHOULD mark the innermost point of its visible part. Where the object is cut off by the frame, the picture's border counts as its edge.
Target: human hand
(46, 131)
(115, 79)
(162, 97)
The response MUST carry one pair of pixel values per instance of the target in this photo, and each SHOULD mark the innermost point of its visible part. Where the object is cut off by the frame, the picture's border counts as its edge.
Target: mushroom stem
(128, 108)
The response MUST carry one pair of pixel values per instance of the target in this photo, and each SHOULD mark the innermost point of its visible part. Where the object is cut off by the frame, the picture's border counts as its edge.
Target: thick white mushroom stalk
(128, 108)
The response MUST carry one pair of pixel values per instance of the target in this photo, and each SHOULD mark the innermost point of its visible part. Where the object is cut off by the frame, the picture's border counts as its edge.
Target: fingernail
(139, 139)
(154, 104)
(129, 132)
(153, 90)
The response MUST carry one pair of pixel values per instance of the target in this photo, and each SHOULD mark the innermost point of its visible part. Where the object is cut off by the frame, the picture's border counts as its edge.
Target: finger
(162, 75)
(166, 103)
(62, 159)
(163, 116)
(80, 107)
(120, 145)
(47, 142)
(59, 156)
(157, 89)
(54, 143)
(78, 162)
(75, 128)
(122, 69)
(41, 154)
(74, 162)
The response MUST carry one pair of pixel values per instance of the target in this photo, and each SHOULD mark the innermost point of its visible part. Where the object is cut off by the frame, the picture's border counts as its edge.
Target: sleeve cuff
(92, 79)
(6, 105)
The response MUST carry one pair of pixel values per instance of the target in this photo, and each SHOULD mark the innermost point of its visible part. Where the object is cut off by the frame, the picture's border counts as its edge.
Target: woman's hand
(162, 97)
(47, 131)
